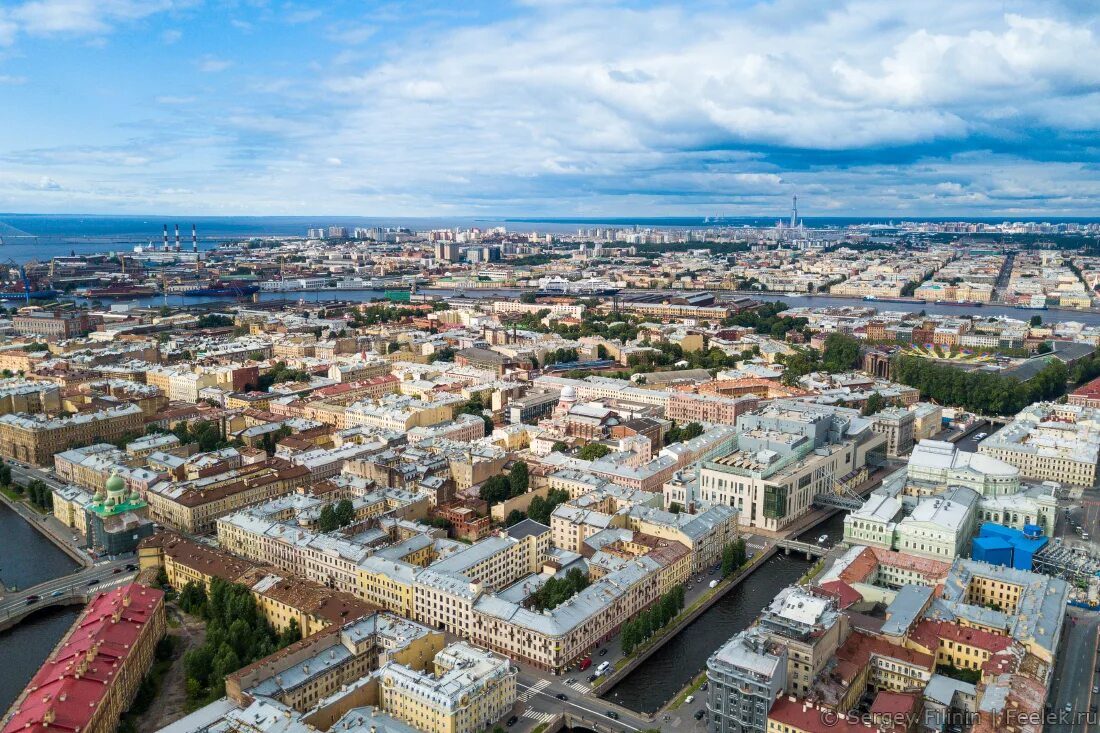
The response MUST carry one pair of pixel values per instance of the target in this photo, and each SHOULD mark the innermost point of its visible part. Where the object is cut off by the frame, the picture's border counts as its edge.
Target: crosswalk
(538, 717)
(579, 687)
(534, 690)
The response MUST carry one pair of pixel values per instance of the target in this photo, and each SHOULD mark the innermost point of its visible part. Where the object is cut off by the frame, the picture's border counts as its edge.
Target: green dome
(116, 485)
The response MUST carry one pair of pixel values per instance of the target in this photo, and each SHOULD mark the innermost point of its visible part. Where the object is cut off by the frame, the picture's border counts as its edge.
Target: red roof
(71, 684)
(804, 716)
(1090, 389)
(845, 594)
(930, 634)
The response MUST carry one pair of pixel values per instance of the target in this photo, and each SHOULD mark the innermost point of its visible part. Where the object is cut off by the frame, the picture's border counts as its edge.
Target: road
(104, 573)
(1072, 689)
(539, 692)
(22, 475)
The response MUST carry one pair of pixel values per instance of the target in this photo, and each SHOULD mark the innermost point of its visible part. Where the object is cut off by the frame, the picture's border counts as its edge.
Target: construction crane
(23, 277)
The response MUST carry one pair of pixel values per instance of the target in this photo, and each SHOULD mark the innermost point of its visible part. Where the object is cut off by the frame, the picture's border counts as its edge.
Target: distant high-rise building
(316, 233)
(794, 212)
(338, 232)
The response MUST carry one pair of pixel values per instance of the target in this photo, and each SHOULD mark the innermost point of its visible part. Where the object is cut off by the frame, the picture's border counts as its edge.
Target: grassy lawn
(816, 568)
(21, 498)
(691, 689)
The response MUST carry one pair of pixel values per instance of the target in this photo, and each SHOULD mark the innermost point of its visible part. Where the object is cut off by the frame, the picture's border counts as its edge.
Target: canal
(28, 558)
(671, 667)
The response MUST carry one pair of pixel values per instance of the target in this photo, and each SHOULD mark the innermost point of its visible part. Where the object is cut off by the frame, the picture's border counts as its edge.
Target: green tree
(344, 512)
(593, 451)
(519, 478)
(733, 557)
(841, 353)
(495, 490)
(875, 403)
(1036, 321)
(514, 517)
(540, 509)
(558, 590)
(327, 521)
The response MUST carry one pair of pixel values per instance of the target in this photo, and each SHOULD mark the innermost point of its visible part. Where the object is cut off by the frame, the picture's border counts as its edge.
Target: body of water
(655, 681)
(982, 311)
(28, 558)
(24, 647)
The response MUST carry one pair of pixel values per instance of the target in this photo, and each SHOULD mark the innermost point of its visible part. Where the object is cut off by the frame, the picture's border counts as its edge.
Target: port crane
(23, 277)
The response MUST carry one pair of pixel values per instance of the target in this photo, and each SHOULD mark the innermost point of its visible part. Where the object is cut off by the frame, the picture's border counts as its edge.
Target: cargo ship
(33, 295)
(225, 288)
(118, 291)
(968, 303)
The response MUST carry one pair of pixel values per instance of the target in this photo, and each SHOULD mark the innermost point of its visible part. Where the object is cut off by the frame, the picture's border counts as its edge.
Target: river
(665, 673)
(808, 301)
(28, 558)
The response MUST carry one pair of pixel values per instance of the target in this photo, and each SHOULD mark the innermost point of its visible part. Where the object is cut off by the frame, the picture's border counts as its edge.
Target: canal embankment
(660, 673)
(48, 527)
(697, 609)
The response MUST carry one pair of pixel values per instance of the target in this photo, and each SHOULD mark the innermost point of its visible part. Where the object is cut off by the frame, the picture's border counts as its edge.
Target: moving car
(699, 714)
(562, 696)
(612, 714)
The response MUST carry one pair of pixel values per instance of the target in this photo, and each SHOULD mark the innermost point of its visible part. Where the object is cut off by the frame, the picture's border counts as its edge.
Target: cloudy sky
(550, 108)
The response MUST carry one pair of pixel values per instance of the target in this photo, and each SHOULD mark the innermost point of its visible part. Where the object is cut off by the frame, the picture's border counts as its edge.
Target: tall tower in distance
(794, 212)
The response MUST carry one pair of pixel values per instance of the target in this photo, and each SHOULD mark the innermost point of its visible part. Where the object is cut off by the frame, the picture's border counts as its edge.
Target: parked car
(603, 652)
(699, 714)
(689, 699)
(512, 721)
(585, 663)
(705, 686)
(593, 677)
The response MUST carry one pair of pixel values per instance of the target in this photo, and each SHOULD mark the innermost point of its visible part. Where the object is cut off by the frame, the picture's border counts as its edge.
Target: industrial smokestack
(194, 240)
(166, 237)
(177, 237)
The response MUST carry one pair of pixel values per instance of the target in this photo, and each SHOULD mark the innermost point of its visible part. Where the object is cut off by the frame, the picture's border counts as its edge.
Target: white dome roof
(568, 393)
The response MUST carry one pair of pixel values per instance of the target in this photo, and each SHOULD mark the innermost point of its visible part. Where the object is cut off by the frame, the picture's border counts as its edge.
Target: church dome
(116, 486)
(568, 393)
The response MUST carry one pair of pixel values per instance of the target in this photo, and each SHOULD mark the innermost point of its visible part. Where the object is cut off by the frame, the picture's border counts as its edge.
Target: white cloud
(76, 17)
(857, 105)
(12, 80)
(212, 64)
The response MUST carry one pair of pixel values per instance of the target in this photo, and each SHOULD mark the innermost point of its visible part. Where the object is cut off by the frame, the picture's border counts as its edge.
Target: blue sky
(544, 107)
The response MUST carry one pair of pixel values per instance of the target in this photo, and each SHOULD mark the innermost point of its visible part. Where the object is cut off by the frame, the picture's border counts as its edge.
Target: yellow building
(36, 438)
(470, 691)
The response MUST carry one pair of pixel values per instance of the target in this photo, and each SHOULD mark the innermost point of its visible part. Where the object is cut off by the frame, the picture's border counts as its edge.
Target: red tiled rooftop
(929, 633)
(803, 716)
(72, 683)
